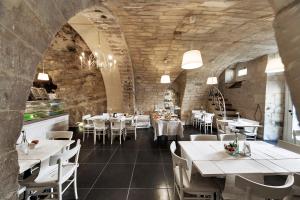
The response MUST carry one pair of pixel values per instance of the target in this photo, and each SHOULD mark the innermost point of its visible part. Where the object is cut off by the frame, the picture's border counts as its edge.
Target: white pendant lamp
(192, 59)
(274, 64)
(43, 76)
(212, 80)
(165, 79)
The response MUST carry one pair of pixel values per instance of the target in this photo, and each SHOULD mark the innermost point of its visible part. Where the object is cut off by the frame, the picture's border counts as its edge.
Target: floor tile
(124, 156)
(84, 153)
(115, 176)
(173, 194)
(87, 174)
(148, 194)
(69, 194)
(148, 176)
(107, 194)
(98, 156)
(168, 170)
(166, 156)
(149, 156)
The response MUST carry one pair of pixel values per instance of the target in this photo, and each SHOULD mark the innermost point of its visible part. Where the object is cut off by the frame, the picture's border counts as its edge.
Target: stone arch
(99, 28)
(26, 30)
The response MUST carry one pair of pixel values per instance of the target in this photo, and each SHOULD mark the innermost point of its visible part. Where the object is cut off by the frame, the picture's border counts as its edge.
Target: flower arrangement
(232, 148)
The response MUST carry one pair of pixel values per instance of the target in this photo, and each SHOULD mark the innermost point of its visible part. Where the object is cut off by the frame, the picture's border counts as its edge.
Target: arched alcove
(81, 89)
(26, 30)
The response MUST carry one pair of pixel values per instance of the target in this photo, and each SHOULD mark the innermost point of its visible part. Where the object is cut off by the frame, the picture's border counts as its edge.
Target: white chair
(88, 126)
(60, 135)
(119, 114)
(203, 137)
(105, 116)
(253, 189)
(289, 146)
(55, 176)
(117, 127)
(99, 129)
(193, 117)
(250, 132)
(207, 122)
(130, 126)
(197, 186)
(296, 136)
(231, 137)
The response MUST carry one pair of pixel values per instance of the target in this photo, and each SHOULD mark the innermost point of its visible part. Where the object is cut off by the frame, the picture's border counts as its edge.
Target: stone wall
(252, 92)
(81, 89)
(288, 43)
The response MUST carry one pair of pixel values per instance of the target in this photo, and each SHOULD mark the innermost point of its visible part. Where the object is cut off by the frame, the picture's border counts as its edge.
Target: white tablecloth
(167, 127)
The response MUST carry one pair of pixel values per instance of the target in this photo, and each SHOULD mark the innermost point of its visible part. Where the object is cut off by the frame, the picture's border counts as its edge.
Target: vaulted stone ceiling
(159, 32)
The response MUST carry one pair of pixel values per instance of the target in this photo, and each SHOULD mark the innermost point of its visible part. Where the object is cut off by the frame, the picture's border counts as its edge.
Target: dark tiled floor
(135, 170)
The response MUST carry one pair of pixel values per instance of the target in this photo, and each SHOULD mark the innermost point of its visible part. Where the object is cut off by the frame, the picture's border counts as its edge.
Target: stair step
(229, 115)
(227, 109)
(228, 112)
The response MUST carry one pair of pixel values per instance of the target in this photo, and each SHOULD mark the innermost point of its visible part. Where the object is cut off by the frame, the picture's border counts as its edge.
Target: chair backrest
(56, 135)
(289, 146)
(60, 159)
(120, 114)
(203, 137)
(178, 162)
(85, 117)
(117, 123)
(295, 134)
(220, 127)
(264, 191)
(209, 117)
(231, 137)
(99, 123)
(250, 129)
(67, 155)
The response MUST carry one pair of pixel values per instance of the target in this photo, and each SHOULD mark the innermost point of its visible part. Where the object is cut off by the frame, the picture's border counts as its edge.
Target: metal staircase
(219, 105)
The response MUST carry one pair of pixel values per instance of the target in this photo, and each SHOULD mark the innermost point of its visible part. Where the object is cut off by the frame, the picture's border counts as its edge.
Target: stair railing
(218, 99)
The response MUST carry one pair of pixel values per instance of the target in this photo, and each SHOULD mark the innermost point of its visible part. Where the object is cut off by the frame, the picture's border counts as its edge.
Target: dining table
(123, 118)
(211, 160)
(242, 123)
(167, 127)
(41, 153)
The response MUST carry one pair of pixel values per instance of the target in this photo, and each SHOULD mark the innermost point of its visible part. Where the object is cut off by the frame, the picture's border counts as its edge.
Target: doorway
(291, 123)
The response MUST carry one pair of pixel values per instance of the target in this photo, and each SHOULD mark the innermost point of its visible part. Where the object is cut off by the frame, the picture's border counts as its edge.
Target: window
(242, 72)
(229, 75)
